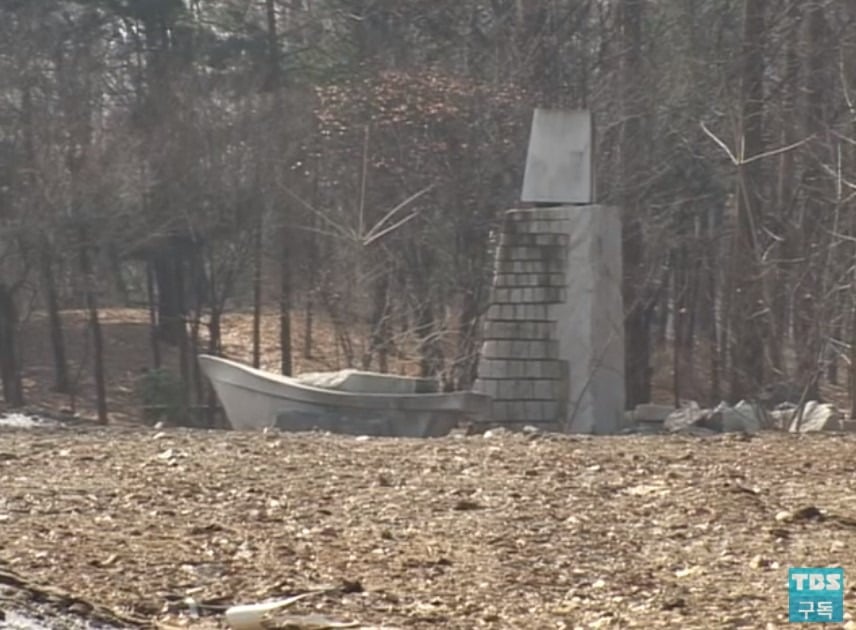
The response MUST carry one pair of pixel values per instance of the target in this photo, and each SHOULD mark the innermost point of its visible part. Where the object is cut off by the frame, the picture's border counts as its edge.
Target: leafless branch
(744, 160)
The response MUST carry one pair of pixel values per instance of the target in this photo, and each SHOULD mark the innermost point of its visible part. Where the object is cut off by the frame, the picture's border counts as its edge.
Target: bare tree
(748, 309)
(637, 318)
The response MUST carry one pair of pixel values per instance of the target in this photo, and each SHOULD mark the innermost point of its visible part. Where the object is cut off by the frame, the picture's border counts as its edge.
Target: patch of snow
(21, 421)
(15, 621)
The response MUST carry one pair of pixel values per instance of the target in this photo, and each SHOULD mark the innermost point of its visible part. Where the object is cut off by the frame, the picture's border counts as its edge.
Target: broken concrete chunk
(816, 417)
(687, 416)
(724, 418)
(781, 418)
(649, 412)
(741, 417)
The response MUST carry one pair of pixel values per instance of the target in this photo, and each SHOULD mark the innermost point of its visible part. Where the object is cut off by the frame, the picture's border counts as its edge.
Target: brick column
(549, 343)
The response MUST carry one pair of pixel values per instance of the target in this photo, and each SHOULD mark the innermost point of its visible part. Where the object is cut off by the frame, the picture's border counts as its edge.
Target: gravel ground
(496, 531)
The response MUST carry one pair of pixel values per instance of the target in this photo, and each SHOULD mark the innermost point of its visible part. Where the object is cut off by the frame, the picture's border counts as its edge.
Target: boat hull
(254, 400)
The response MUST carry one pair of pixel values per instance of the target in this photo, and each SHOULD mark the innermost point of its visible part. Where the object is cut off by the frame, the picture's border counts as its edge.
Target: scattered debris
(649, 413)
(687, 416)
(272, 616)
(809, 513)
(815, 417)
(254, 616)
(750, 418)
(497, 432)
(306, 622)
(743, 417)
(569, 528)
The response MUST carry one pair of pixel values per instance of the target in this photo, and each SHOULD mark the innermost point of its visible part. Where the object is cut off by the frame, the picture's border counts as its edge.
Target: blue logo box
(815, 595)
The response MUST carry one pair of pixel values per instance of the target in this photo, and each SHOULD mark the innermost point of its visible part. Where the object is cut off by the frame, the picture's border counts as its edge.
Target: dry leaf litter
(504, 530)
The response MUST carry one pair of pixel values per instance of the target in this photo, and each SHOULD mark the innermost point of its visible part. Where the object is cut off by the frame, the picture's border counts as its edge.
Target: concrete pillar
(553, 351)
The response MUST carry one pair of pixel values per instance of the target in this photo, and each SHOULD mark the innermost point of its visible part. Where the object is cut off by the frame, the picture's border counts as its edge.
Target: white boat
(255, 399)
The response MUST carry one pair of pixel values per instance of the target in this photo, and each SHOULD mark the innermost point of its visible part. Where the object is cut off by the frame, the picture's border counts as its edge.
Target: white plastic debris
(250, 616)
(816, 417)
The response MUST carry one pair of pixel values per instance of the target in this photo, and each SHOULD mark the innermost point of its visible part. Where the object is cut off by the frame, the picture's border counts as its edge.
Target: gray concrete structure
(553, 349)
(559, 160)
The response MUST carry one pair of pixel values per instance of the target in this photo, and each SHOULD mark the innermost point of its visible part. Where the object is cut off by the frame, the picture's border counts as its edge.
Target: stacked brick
(519, 364)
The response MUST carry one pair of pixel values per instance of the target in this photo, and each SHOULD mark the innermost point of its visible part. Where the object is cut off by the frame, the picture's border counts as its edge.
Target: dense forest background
(347, 160)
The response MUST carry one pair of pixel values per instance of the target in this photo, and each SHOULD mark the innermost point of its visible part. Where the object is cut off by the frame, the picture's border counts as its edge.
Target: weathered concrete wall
(553, 351)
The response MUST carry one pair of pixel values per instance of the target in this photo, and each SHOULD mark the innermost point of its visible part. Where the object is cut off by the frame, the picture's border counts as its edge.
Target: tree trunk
(682, 352)
(714, 343)
(852, 374)
(179, 324)
(61, 382)
(748, 326)
(46, 255)
(215, 349)
(214, 334)
(809, 316)
(661, 311)
(78, 109)
(308, 322)
(785, 278)
(636, 326)
(10, 371)
(832, 352)
(169, 268)
(185, 373)
(725, 321)
(312, 281)
(285, 297)
(466, 359)
(257, 287)
(430, 353)
(120, 287)
(199, 293)
(849, 69)
(707, 302)
(153, 315)
(379, 341)
(170, 288)
(89, 283)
